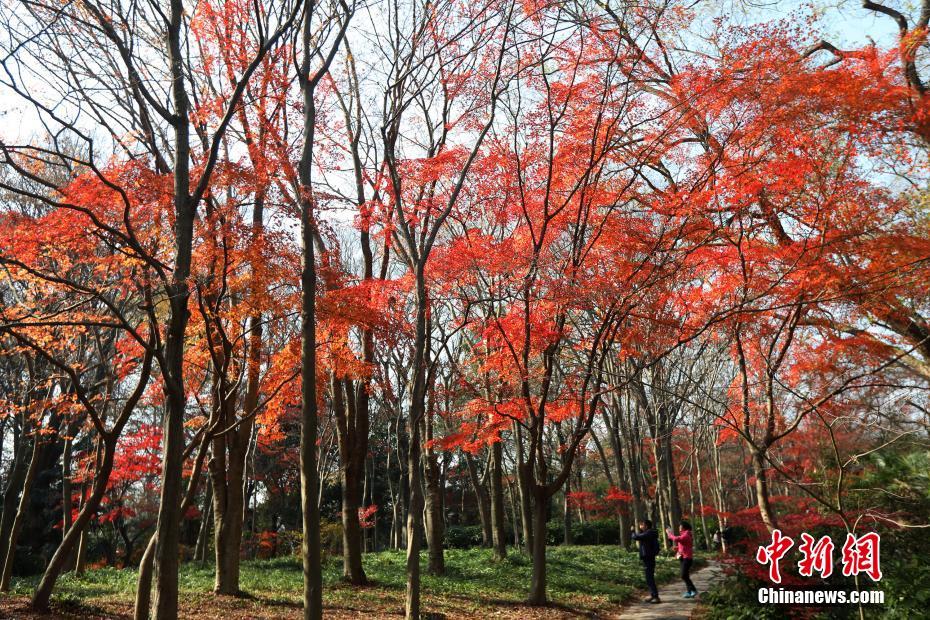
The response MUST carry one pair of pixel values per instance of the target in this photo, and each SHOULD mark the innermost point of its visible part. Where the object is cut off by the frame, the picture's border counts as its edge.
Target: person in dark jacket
(648, 540)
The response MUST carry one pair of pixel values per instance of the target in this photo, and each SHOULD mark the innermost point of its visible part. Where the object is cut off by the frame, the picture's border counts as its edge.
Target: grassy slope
(582, 580)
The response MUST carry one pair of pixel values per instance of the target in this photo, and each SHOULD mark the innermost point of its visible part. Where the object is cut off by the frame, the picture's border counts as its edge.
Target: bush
(463, 536)
(737, 599)
(906, 573)
(598, 532)
(331, 537)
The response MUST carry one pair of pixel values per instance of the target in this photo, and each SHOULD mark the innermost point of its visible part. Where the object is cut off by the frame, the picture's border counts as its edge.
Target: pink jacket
(685, 544)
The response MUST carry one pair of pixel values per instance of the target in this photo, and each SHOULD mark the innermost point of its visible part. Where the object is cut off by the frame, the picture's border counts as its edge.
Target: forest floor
(586, 582)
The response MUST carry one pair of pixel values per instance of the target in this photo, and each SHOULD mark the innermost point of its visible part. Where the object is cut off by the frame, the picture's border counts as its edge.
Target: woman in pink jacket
(685, 555)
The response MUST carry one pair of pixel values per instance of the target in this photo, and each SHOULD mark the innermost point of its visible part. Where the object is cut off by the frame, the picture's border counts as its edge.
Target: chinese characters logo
(859, 555)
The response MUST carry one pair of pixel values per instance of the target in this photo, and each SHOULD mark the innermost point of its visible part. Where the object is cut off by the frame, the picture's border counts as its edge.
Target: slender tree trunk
(371, 546)
(417, 413)
(674, 504)
(80, 559)
(524, 478)
(718, 490)
(309, 476)
(762, 491)
(412, 603)
(66, 492)
(227, 523)
(352, 453)
(351, 527)
(147, 566)
(482, 501)
(227, 476)
(165, 602)
(57, 564)
(435, 526)
(229, 464)
(128, 545)
(144, 581)
(538, 583)
(634, 467)
(402, 503)
(200, 554)
(395, 506)
(17, 525)
(14, 487)
(513, 514)
(566, 515)
(623, 517)
(498, 526)
(700, 490)
(691, 486)
(658, 455)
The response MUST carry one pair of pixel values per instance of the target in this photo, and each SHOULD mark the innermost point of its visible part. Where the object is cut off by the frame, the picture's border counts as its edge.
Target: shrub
(463, 536)
(596, 532)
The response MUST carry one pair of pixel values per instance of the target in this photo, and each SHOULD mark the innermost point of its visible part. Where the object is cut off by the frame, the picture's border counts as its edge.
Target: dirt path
(673, 606)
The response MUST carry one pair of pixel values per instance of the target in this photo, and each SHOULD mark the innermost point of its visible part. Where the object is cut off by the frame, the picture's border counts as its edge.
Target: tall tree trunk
(80, 557)
(238, 457)
(227, 476)
(482, 501)
(66, 491)
(147, 564)
(658, 455)
(14, 486)
(351, 528)
(524, 478)
(700, 490)
(370, 540)
(671, 477)
(718, 490)
(200, 553)
(165, 602)
(144, 581)
(634, 473)
(613, 416)
(57, 564)
(352, 452)
(402, 503)
(762, 490)
(567, 514)
(309, 476)
(417, 413)
(17, 524)
(415, 509)
(433, 509)
(538, 582)
(394, 542)
(498, 525)
(355, 450)
(514, 519)
(624, 518)
(228, 510)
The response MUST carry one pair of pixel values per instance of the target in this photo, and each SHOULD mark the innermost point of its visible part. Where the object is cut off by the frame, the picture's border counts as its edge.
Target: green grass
(585, 579)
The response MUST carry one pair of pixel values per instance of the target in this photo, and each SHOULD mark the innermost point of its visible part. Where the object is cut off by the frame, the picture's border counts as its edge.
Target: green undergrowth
(584, 578)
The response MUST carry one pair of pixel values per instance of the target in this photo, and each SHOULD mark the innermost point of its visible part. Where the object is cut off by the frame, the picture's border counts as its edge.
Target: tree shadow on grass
(68, 607)
(275, 601)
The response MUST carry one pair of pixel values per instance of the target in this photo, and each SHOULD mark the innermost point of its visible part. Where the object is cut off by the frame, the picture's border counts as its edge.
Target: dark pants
(649, 565)
(686, 573)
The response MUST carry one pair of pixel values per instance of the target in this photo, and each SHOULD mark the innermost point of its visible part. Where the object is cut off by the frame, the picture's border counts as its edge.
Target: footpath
(673, 606)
